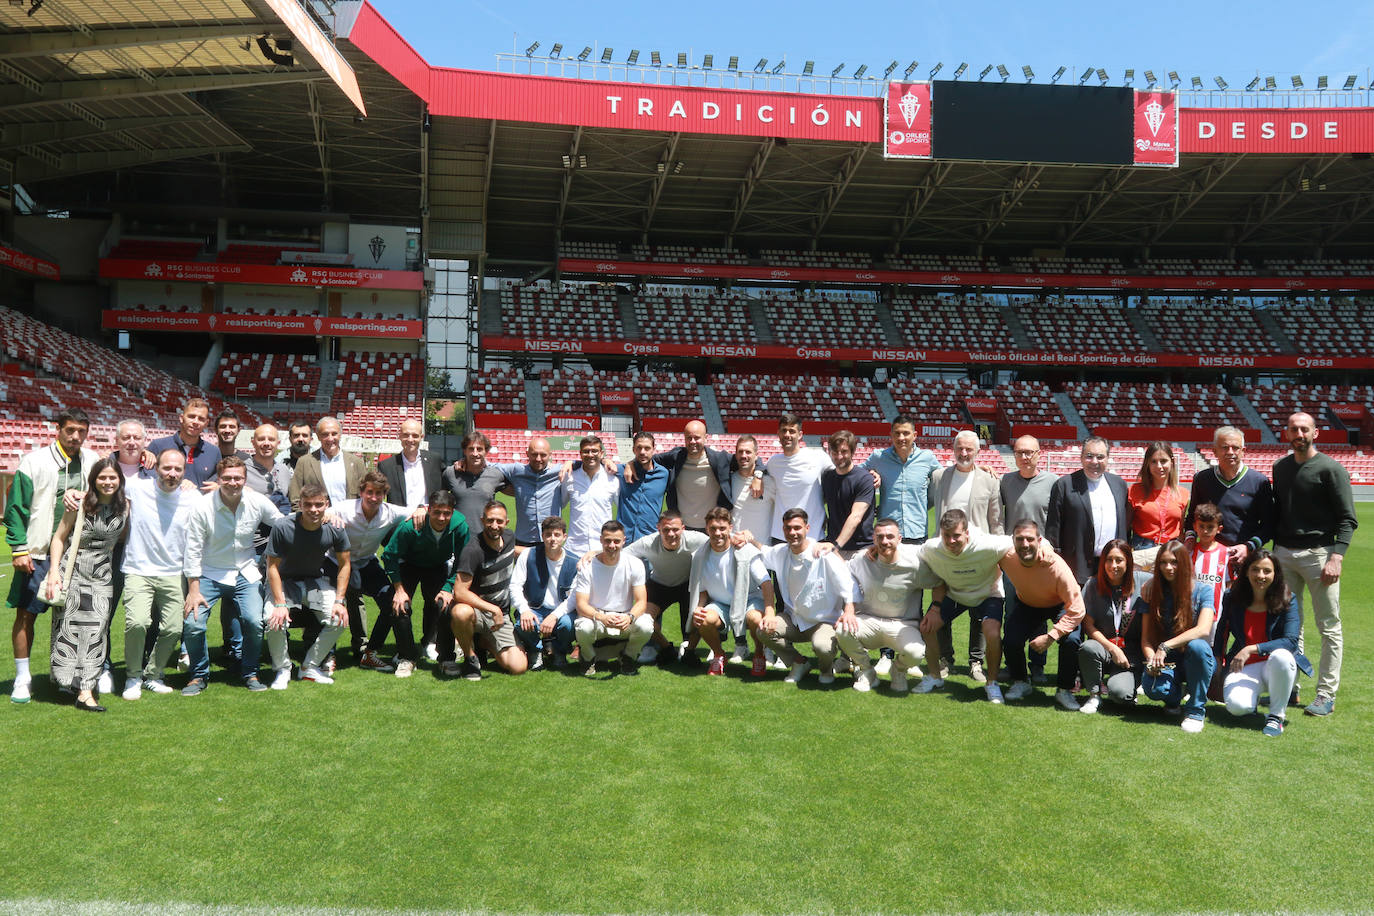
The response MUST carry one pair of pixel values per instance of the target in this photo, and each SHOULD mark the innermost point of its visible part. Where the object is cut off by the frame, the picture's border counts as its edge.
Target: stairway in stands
(628, 322)
(1017, 329)
(759, 316)
(710, 410)
(884, 398)
(1252, 416)
(1271, 327)
(1071, 413)
(1142, 327)
(891, 333)
(534, 404)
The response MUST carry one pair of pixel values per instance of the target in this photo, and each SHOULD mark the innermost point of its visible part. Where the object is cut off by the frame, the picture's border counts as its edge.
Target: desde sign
(1278, 130)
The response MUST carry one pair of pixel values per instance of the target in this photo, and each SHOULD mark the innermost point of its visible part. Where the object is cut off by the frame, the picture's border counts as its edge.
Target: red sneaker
(717, 665)
(760, 666)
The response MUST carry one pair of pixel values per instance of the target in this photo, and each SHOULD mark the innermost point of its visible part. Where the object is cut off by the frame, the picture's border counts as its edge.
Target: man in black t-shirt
(479, 591)
(848, 496)
(296, 552)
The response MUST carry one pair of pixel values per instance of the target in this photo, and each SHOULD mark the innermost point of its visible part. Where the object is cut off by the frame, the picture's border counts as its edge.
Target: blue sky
(1203, 37)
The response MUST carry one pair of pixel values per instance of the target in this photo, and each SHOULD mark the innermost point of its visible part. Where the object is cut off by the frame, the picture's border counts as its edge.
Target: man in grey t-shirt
(472, 481)
(1026, 497)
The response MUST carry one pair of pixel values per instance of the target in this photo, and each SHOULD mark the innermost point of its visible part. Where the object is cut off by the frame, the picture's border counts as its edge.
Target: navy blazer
(1282, 630)
(675, 459)
(1069, 520)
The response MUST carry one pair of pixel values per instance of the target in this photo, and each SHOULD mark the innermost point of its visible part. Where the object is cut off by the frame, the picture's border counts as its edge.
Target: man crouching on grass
(611, 602)
(479, 592)
(296, 552)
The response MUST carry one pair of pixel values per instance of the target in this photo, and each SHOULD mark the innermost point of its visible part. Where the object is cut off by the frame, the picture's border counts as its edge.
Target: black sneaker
(667, 655)
(472, 668)
(629, 666)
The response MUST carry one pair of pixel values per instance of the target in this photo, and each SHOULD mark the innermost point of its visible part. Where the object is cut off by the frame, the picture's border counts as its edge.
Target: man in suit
(698, 477)
(413, 474)
(1087, 509)
(976, 493)
(329, 466)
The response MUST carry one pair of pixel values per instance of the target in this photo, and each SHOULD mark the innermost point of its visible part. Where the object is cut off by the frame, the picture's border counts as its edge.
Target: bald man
(415, 472)
(698, 477)
(1314, 521)
(329, 466)
(538, 491)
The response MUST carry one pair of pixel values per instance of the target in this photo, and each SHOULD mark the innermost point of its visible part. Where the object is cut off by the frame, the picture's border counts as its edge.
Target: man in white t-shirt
(890, 578)
(796, 471)
(591, 493)
(153, 551)
(728, 581)
(751, 513)
(667, 556)
(815, 588)
(611, 602)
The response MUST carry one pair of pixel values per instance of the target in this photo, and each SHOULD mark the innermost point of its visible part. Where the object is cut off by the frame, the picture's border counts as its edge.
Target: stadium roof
(180, 101)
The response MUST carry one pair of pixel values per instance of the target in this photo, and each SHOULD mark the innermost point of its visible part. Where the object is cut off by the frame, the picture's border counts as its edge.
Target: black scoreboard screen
(1014, 122)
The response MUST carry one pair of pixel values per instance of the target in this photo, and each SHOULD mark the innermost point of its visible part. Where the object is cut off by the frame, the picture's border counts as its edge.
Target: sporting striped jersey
(1211, 568)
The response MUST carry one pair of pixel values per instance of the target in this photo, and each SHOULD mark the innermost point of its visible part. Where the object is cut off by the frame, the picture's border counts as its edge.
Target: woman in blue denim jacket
(1264, 620)
(1178, 653)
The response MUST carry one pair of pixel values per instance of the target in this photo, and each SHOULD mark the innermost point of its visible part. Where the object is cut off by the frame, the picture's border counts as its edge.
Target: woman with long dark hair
(78, 638)
(1264, 622)
(1176, 635)
(1112, 612)
(1157, 503)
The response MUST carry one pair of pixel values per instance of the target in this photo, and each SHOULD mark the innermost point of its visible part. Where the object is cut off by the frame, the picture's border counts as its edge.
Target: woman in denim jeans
(1178, 655)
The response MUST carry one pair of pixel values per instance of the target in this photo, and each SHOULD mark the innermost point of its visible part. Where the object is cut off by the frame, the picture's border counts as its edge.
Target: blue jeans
(248, 596)
(530, 640)
(1198, 663)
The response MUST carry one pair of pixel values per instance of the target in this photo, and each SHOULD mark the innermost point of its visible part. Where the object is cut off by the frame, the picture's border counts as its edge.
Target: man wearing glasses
(1026, 497)
(1086, 510)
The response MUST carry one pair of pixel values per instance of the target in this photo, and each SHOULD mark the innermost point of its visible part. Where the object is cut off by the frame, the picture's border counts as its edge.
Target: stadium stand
(934, 402)
(1094, 266)
(375, 392)
(259, 252)
(1153, 404)
(663, 394)
(1190, 324)
(678, 315)
(688, 254)
(1077, 324)
(1029, 403)
(936, 262)
(1277, 403)
(575, 312)
(950, 322)
(847, 260)
(267, 375)
(1319, 267)
(748, 396)
(497, 389)
(157, 249)
(830, 319)
(1326, 327)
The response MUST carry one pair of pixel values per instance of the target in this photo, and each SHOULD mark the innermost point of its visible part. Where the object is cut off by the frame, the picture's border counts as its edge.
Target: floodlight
(1173, 77)
(678, 167)
(1197, 83)
(1297, 81)
(1102, 76)
(1058, 75)
(910, 69)
(708, 61)
(1252, 84)
(529, 52)
(859, 73)
(1270, 83)
(1349, 83)
(567, 161)
(1027, 72)
(606, 55)
(1322, 84)
(778, 67)
(1221, 83)
(986, 70)
(936, 69)
(1128, 76)
(682, 58)
(634, 56)
(655, 58)
(836, 71)
(557, 50)
(1150, 77)
(808, 68)
(582, 161)
(1003, 72)
(758, 67)
(734, 62)
(959, 70)
(584, 53)
(1084, 78)
(888, 70)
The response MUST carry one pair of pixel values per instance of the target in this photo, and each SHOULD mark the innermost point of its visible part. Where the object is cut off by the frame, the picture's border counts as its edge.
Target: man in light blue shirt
(903, 473)
(538, 493)
(641, 492)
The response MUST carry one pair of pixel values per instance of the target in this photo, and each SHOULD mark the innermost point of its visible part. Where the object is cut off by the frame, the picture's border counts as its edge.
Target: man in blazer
(977, 493)
(698, 477)
(413, 474)
(339, 472)
(1087, 509)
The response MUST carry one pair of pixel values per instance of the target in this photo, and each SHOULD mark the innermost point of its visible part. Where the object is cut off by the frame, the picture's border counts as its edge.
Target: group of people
(1145, 589)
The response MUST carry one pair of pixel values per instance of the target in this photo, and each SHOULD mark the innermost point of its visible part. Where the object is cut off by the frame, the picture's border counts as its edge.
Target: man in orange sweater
(1044, 594)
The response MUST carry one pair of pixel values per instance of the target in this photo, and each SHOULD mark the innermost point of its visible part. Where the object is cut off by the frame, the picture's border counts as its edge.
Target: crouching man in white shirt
(611, 602)
(728, 582)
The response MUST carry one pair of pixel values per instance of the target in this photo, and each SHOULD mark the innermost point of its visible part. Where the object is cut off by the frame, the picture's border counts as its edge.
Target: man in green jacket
(419, 558)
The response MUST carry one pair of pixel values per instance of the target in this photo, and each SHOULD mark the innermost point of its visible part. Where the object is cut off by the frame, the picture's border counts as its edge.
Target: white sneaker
(975, 673)
(282, 679)
(1192, 726)
(648, 655)
(104, 683)
(827, 675)
(741, 655)
(183, 662)
(535, 658)
(928, 684)
(884, 666)
(1066, 699)
(133, 689)
(841, 665)
(865, 681)
(21, 693)
(899, 681)
(155, 685)
(797, 673)
(311, 673)
(1019, 691)
(405, 668)
(1089, 706)
(431, 652)
(994, 693)
(915, 671)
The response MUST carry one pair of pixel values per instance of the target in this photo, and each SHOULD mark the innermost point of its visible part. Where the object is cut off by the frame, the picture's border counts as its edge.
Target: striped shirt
(491, 568)
(1212, 569)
